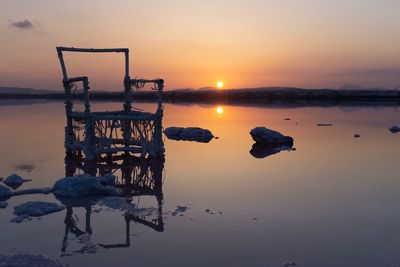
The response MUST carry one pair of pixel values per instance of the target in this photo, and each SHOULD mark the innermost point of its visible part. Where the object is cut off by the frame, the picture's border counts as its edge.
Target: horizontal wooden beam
(93, 50)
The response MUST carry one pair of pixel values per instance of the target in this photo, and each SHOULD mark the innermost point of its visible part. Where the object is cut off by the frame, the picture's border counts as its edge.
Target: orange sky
(254, 43)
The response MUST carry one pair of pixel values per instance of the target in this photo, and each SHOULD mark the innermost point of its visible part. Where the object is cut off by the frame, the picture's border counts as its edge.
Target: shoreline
(262, 96)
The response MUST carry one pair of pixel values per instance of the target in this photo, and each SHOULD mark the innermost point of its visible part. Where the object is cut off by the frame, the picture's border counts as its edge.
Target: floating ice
(266, 136)
(5, 192)
(289, 264)
(189, 134)
(394, 129)
(14, 181)
(82, 185)
(25, 260)
(35, 209)
(3, 205)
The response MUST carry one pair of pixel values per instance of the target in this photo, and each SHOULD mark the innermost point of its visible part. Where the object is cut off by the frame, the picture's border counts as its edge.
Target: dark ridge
(259, 96)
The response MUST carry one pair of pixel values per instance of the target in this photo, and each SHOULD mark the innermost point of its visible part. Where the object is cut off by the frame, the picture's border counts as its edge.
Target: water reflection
(261, 151)
(135, 177)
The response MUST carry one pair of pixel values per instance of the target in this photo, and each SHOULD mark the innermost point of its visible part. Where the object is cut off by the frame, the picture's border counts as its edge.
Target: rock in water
(35, 209)
(357, 135)
(262, 135)
(14, 181)
(5, 192)
(82, 185)
(189, 134)
(394, 129)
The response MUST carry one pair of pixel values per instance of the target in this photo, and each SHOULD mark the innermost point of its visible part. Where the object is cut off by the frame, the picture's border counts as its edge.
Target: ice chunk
(25, 260)
(35, 209)
(14, 181)
(189, 134)
(262, 135)
(80, 186)
(394, 129)
(5, 192)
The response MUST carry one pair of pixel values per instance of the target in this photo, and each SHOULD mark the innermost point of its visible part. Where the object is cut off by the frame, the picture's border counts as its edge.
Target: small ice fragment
(14, 181)
(3, 205)
(288, 264)
(5, 192)
(255, 219)
(394, 129)
(220, 212)
(207, 210)
(181, 208)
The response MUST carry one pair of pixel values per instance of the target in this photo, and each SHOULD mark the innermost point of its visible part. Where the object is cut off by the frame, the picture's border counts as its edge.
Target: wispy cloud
(388, 72)
(22, 24)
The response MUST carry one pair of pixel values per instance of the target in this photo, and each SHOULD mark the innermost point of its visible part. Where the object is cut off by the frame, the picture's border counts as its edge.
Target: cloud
(22, 24)
(392, 72)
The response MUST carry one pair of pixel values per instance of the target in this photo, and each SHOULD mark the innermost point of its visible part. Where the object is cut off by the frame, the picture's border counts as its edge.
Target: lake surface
(334, 201)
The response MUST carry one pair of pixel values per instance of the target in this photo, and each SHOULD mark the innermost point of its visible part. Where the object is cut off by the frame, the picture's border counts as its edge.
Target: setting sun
(220, 110)
(220, 85)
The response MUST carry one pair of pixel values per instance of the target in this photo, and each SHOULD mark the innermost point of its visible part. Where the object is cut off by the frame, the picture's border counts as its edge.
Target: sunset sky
(253, 43)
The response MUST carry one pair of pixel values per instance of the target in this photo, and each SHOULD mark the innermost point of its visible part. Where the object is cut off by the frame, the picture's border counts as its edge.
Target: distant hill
(20, 90)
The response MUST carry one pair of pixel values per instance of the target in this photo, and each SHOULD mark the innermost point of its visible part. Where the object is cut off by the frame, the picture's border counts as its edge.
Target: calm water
(335, 201)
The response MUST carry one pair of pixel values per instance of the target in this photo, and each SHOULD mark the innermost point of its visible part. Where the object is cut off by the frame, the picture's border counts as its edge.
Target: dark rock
(262, 135)
(357, 135)
(189, 134)
(324, 124)
(394, 129)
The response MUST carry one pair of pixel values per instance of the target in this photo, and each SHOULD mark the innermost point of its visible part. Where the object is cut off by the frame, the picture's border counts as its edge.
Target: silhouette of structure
(135, 177)
(126, 130)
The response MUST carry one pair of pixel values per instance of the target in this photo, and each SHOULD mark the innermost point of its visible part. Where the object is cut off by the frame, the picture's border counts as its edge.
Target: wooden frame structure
(127, 130)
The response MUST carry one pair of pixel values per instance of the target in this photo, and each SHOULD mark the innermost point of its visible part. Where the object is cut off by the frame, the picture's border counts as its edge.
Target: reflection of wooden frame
(128, 130)
(139, 177)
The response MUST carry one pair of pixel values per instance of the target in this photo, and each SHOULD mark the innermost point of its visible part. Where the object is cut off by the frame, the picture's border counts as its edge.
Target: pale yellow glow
(220, 110)
(220, 85)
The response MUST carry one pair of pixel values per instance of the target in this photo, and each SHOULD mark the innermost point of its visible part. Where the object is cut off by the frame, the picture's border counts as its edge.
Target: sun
(220, 110)
(220, 84)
